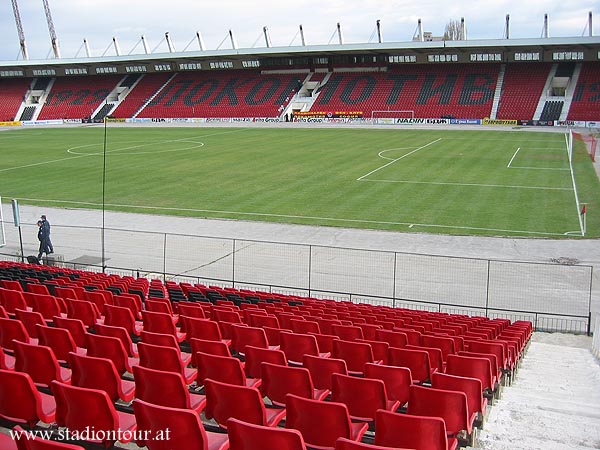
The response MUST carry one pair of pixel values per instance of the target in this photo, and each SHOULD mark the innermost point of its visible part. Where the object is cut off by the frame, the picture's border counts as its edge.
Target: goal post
(387, 116)
(590, 140)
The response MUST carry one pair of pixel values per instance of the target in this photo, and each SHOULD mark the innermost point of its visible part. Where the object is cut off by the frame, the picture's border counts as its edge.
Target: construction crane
(51, 29)
(20, 29)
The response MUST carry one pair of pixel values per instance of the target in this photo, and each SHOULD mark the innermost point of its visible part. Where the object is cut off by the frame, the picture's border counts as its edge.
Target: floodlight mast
(546, 28)
(379, 32)
(302, 36)
(145, 45)
(170, 45)
(420, 30)
(88, 51)
(339, 33)
(116, 45)
(267, 37)
(200, 40)
(22, 42)
(51, 29)
(233, 41)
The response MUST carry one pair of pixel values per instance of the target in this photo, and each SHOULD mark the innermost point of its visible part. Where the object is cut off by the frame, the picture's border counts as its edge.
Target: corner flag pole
(584, 214)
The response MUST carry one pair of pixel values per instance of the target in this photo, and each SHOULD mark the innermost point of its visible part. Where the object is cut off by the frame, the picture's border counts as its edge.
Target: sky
(100, 21)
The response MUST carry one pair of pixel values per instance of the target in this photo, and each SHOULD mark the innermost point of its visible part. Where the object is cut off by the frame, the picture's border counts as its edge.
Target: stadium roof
(589, 45)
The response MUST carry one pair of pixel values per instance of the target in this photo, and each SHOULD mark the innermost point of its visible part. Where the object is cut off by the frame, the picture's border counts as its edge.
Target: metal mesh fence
(456, 281)
(549, 288)
(352, 271)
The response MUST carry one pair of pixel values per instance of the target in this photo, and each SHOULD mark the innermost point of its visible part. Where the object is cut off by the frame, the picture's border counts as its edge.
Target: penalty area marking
(472, 184)
(532, 168)
(513, 157)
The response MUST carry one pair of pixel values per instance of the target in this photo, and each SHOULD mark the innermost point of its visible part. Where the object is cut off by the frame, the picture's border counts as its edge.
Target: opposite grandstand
(531, 93)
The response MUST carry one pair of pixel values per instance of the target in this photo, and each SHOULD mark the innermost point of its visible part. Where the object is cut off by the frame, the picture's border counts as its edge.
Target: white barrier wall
(596, 341)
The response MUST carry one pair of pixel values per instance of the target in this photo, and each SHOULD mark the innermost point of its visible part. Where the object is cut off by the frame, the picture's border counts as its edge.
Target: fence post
(233, 264)
(487, 289)
(165, 258)
(589, 326)
(309, 269)
(394, 280)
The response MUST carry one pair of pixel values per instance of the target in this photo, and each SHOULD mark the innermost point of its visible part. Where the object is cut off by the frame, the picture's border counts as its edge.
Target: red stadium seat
(449, 405)
(415, 360)
(255, 356)
(397, 380)
(347, 444)
(59, 340)
(186, 429)
(224, 369)
(321, 369)
(166, 340)
(111, 348)
(224, 401)
(410, 431)
(165, 358)
(165, 389)
(40, 363)
(100, 373)
(21, 402)
(248, 436)
(80, 408)
(362, 396)
(321, 423)
(278, 381)
(356, 355)
(296, 345)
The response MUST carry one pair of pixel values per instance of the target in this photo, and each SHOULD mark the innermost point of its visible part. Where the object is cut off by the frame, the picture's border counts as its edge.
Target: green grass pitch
(505, 183)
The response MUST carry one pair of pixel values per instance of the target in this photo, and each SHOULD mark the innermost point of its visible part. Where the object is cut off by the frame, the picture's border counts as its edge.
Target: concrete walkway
(554, 403)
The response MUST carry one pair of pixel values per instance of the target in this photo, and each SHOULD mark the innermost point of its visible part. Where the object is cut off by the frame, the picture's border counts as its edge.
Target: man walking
(46, 228)
(42, 237)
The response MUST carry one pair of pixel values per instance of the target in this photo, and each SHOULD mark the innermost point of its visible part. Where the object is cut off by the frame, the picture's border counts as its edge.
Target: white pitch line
(289, 216)
(540, 168)
(513, 157)
(471, 184)
(380, 154)
(398, 159)
(52, 161)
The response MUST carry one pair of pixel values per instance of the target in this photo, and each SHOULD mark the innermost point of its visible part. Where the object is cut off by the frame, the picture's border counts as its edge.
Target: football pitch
(500, 183)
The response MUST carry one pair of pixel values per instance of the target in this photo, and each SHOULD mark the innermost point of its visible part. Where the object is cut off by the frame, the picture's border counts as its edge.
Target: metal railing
(554, 297)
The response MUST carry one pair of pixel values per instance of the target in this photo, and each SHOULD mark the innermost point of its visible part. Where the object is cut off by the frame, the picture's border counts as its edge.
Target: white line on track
(289, 216)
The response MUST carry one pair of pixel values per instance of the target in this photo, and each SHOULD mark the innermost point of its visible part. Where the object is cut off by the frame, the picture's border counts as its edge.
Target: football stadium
(388, 245)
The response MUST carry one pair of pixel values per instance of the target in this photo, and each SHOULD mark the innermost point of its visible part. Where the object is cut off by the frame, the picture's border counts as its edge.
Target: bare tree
(453, 31)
